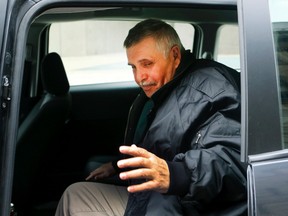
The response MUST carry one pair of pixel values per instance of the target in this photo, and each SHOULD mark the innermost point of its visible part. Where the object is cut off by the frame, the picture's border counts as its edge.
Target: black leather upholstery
(54, 79)
(40, 127)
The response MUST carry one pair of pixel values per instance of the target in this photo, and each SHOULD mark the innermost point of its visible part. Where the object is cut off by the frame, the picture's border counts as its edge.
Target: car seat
(40, 126)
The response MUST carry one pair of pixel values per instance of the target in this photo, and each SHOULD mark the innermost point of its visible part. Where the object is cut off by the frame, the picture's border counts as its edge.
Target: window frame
(258, 82)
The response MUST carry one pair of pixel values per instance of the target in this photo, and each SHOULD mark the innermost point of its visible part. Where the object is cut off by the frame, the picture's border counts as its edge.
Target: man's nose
(141, 75)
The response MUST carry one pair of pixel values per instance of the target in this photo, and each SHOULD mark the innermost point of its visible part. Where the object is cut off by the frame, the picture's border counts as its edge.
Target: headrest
(53, 75)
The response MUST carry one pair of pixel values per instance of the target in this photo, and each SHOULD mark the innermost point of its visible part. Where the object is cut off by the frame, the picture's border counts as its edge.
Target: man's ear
(176, 54)
(176, 51)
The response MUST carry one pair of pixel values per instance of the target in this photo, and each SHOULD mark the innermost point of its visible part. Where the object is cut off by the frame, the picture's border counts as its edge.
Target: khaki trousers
(93, 199)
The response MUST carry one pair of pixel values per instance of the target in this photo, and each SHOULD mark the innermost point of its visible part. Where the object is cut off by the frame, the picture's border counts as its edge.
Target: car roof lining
(227, 14)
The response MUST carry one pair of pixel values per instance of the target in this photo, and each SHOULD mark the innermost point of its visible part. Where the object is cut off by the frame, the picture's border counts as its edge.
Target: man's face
(151, 68)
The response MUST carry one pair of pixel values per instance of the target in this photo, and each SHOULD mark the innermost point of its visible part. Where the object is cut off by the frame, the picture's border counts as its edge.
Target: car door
(263, 76)
(6, 148)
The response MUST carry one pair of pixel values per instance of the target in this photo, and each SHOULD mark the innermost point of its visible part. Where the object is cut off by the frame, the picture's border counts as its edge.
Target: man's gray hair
(164, 34)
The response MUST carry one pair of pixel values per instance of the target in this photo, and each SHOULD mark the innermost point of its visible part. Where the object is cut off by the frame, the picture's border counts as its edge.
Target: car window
(227, 46)
(279, 19)
(92, 51)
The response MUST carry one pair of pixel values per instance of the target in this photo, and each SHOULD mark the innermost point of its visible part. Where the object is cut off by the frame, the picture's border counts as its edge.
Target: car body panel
(267, 183)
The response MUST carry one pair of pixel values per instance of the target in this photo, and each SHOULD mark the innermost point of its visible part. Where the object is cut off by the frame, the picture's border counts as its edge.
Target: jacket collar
(187, 60)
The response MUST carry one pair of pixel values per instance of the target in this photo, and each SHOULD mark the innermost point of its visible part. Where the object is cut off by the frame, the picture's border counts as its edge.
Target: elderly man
(182, 141)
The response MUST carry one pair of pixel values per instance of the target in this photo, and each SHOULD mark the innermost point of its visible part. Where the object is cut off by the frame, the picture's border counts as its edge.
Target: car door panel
(268, 179)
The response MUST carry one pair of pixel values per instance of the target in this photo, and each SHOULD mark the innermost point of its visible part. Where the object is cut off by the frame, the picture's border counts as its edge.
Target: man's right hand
(104, 171)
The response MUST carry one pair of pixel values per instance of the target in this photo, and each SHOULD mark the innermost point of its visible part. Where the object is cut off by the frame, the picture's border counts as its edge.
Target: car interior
(66, 130)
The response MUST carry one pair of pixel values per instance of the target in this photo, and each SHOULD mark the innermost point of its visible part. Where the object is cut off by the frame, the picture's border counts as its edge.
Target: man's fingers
(133, 162)
(136, 174)
(88, 177)
(140, 187)
(134, 151)
(145, 186)
(95, 174)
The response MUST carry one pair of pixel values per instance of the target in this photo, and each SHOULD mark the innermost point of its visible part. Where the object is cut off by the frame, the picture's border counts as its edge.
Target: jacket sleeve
(210, 172)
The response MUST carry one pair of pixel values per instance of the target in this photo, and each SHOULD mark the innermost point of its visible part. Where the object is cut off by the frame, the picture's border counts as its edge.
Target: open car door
(6, 134)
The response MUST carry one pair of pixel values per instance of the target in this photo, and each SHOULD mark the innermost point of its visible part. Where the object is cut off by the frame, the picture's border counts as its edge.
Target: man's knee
(74, 188)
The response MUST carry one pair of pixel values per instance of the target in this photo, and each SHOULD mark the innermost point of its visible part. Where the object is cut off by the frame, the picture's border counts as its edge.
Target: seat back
(40, 127)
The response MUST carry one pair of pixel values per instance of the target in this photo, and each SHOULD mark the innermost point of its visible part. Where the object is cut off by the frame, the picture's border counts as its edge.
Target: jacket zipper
(198, 137)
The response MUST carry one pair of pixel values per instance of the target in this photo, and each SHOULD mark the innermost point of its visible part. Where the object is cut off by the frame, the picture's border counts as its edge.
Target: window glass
(227, 46)
(92, 51)
(279, 19)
